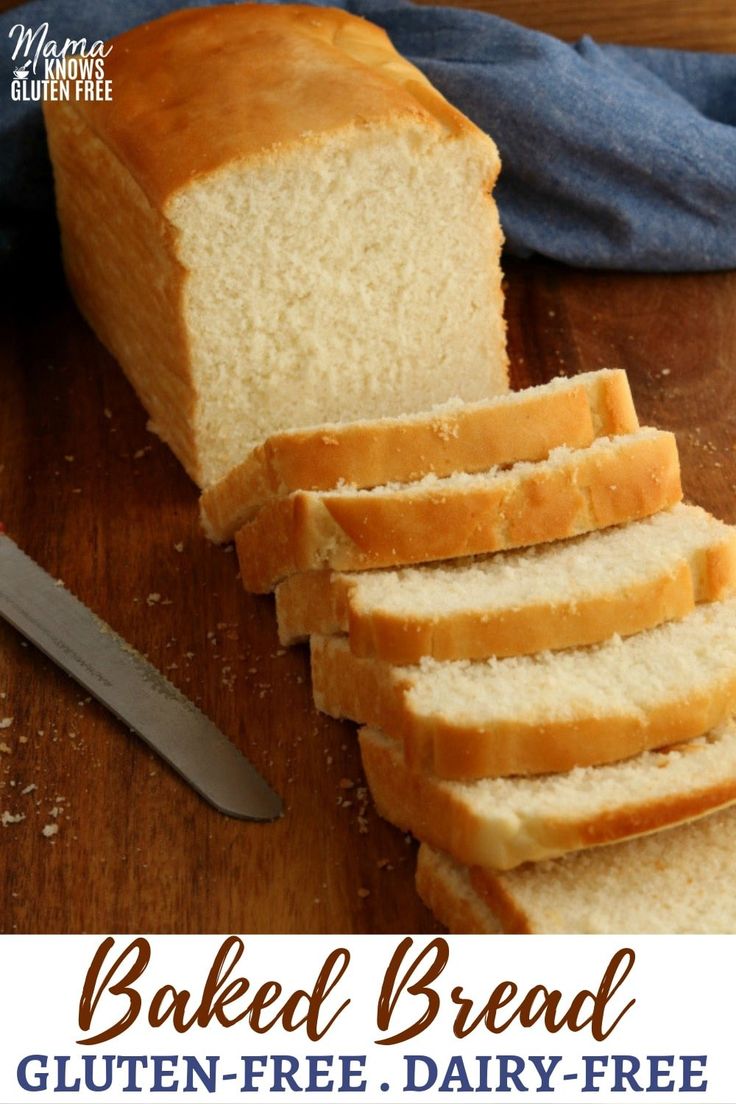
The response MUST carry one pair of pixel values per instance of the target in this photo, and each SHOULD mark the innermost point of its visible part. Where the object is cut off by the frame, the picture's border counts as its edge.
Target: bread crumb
(179, 546)
(6, 722)
(5, 749)
(6, 818)
(49, 830)
(152, 599)
(30, 788)
(363, 893)
(446, 428)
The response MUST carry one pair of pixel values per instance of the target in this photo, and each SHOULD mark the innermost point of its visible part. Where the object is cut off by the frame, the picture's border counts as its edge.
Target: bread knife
(49, 616)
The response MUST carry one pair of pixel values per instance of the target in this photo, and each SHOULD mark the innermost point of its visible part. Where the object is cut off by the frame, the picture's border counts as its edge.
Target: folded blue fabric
(613, 157)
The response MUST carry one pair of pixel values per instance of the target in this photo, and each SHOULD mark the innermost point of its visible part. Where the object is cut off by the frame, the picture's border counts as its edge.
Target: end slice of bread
(572, 492)
(454, 437)
(503, 822)
(447, 890)
(560, 595)
(682, 880)
(545, 713)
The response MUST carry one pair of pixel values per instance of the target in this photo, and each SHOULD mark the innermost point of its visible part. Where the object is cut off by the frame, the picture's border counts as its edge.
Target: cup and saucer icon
(23, 70)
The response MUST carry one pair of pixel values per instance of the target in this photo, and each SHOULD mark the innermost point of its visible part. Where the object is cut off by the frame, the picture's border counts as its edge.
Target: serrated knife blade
(70, 634)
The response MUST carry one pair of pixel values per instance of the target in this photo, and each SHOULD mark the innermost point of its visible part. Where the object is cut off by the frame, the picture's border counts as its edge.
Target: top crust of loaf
(210, 86)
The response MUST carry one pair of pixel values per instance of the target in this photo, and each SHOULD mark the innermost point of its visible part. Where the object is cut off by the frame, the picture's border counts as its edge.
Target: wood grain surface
(682, 24)
(102, 504)
(679, 24)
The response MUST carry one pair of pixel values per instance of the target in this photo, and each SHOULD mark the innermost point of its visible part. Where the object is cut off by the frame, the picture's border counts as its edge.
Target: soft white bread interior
(503, 822)
(455, 436)
(558, 595)
(277, 221)
(547, 712)
(573, 491)
(678, 881)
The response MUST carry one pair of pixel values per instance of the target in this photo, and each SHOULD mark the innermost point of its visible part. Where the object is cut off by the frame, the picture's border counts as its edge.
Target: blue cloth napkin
(613, 157)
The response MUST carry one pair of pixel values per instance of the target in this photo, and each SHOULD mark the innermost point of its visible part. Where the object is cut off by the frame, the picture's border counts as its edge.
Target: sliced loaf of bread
(277, 220)
(472, 437)
(574, 491)
(544, 713)
(558, 595)
(503, 822)
(681, 880)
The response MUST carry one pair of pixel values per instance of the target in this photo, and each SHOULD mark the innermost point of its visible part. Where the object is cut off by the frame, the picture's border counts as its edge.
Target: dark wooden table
(704, 25)
(102, 504)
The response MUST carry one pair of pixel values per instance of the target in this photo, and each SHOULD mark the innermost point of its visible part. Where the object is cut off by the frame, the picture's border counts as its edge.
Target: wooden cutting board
(110, 839)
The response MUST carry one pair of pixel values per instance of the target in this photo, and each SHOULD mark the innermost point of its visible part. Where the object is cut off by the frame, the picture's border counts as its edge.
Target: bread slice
(681, 880)
(573, 491)
(559, 595)
(503, 822)
(466, 437)
(278, 221)
(544, 713)
(446, 889)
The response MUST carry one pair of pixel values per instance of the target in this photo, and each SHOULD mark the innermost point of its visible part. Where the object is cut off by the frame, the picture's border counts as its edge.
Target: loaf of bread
(278, 221)
(560, 595)
(503, 822)
(547, 712)
(681, 880)
(455, 437)
(574, 491)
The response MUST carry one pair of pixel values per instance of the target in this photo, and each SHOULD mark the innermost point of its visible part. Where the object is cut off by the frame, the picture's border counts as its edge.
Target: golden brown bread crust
(592, 489)
(314, 602)
(324, 603)
(360, 690)
(457, 751)
(487, 909)
(494, 894)
(118, 248)
(415, 802)
(460, 914)
(524, 630)
(259, 76)
(469, 438)
(373, 693)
